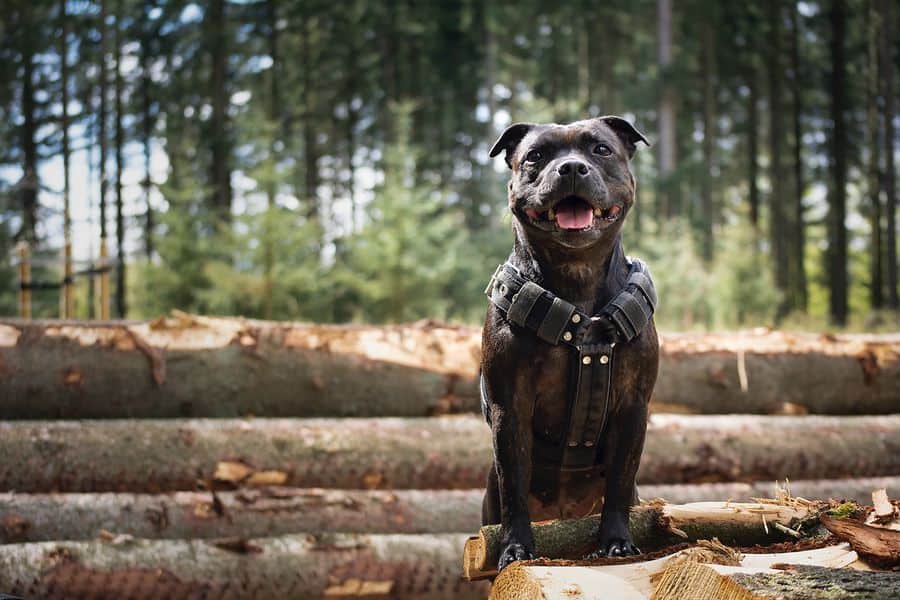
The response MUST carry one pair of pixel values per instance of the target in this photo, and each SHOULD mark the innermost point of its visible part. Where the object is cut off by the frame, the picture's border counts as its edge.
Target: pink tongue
(576, 215)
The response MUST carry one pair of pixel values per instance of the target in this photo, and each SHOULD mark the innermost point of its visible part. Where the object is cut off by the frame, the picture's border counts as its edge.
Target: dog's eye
(533, 156)
(602, 150)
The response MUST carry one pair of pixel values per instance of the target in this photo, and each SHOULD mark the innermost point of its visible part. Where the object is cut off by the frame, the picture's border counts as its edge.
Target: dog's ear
(510, 139)
(627, 132)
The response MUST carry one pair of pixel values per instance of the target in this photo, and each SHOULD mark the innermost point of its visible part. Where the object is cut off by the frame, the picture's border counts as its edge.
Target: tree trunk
(121, 306)
(708, 70)
(800, 294)
(103, 299)
(219, 127)
(804, 582)
(667, 101)
(146, 138)
(888, 63)
(652, 526)
(229, 368)
(778, 215)
(272, 511)
(29, 184)
(837, 196)
(247, 513)
(753, 149)
(310, 147)
(304, 566)
(445, 453)
(874, 183)
(204, 367)
(68, 304)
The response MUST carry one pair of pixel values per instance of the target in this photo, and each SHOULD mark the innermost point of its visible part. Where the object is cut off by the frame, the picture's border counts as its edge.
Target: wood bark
(228, 368)
(798, 221)
(269, 511)
(652, 526)
(778, 215)
(873, 168)
(215, 26)
(304, 566)
(870, 539)
(203, 367)
(445, 453)
(803, 582)
(684, 575)
(246, 513)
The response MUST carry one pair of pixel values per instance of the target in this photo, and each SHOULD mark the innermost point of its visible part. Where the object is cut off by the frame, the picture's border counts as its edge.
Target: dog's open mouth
(574, 213)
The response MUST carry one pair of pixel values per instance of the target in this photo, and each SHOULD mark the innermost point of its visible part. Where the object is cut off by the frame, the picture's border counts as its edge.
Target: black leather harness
(526, 304)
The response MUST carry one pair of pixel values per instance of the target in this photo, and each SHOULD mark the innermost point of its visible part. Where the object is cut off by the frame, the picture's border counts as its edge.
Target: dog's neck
(589, 277)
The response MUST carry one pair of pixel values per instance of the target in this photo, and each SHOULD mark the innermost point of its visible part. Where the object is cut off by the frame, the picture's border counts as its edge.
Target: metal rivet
(604, 359)
(502, 289)
(576, 318)
(586, 360)
(573, 444)
(567, 336)
(588, 444)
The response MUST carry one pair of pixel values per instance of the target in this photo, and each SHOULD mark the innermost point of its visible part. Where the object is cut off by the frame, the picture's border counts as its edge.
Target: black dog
(569, 350)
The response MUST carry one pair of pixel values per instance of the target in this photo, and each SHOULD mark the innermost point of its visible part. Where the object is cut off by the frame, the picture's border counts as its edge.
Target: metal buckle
(490, 285)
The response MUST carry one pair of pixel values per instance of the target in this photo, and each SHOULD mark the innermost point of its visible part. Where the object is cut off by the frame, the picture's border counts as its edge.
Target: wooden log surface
(191, 366)
(439, 453)
(660, 578)
(304, 566)
(653, 526)
(271, 511)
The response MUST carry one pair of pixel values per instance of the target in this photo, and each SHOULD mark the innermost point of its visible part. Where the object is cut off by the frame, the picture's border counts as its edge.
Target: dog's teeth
(598, 212)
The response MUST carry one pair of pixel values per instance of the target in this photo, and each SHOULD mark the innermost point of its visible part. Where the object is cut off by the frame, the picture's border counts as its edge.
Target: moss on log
(439, 453)
(190, 366)
(805, 582)
(305, 566)
(652, 527)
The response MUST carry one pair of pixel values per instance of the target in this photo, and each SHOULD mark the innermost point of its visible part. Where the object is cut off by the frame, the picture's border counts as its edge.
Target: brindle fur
(527, 380)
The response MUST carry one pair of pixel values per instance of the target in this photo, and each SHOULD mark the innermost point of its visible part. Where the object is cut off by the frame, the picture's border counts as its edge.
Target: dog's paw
(512, 553)
(614, 548)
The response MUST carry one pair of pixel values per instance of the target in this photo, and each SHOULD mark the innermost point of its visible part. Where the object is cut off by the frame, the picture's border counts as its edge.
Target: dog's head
(570, 184)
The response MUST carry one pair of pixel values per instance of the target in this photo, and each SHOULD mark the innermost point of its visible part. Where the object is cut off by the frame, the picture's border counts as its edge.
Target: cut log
(778, 372)
(652, 526)
(673, 577)
(246, 513)
(439, 453)
(190, 366)
(323, 566)
(202, 367)
(279, 511)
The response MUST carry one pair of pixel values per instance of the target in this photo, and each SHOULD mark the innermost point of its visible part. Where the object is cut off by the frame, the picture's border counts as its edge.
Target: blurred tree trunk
(101, 132)
(215, 24)
(310, 148)
(667, 158)
(876, 283)
(778, 230)
(800, 295)
(28, 185)
(67, 307)
(890, 180)
(121, 307)
(753, 148)
(708, 76)
(837, 196)
(271, 184)
(146, 137)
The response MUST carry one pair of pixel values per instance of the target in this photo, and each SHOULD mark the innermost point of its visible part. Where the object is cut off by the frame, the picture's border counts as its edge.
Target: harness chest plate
(526, 304)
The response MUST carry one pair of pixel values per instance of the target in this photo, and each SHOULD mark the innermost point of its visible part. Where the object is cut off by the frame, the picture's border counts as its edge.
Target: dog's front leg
(622, 454)
(510, 413)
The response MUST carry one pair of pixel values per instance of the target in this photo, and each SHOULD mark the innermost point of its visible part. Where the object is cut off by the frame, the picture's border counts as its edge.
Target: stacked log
(438, 453)
(191, 366)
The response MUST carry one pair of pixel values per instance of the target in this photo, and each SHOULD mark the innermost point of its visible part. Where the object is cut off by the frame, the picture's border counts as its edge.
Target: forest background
(328, 161)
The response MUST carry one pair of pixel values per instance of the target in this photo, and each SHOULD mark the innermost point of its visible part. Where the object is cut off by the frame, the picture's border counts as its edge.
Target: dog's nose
(572, 166)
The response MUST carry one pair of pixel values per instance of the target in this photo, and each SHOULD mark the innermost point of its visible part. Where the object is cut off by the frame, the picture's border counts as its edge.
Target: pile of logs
(191, 456)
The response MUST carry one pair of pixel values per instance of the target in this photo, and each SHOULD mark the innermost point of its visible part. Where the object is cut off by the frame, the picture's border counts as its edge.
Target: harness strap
(554, 320)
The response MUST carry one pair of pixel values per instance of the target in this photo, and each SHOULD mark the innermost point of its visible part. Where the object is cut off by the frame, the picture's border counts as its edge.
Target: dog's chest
(552, 372)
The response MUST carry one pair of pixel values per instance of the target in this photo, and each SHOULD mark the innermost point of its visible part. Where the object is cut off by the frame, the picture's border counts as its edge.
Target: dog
(570, 189)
